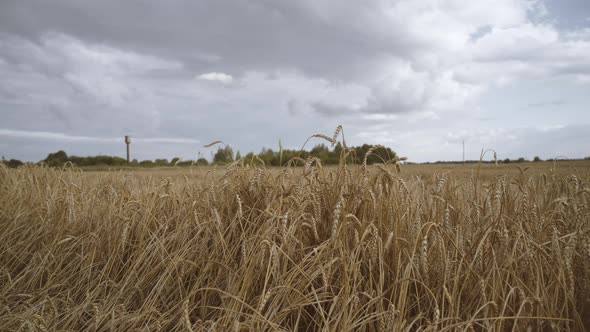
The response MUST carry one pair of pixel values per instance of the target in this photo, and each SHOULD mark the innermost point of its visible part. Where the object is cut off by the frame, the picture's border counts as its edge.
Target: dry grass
(307, 249)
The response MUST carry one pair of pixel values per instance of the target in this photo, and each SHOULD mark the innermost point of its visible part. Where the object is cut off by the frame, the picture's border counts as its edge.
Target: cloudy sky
(419, 76)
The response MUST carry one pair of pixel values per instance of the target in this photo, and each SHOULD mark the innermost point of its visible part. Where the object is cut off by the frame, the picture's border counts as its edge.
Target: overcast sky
(419, 76)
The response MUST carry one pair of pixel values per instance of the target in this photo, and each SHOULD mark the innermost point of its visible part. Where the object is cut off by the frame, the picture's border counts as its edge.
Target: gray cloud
(244, 35)
(569, 14)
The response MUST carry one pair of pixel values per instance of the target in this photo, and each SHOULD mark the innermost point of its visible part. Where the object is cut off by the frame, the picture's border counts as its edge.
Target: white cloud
(218, 77)
(509, 142)
(45, 135)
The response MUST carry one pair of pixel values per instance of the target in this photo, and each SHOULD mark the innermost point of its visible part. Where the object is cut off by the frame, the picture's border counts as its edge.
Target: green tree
(321, 152)
(267, 156)
(146, 163)
(161, 162)
(379, 155)
(174, 161)
(224, 155)
(12, 163)
(56, 159)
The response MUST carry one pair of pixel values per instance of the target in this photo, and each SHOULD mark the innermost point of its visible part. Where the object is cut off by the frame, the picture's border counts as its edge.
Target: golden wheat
(353, 248)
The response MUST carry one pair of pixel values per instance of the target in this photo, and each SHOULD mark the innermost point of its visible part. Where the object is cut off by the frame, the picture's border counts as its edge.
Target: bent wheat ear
(368, 153)
(336, 133)
(213, 143)
(329, 139)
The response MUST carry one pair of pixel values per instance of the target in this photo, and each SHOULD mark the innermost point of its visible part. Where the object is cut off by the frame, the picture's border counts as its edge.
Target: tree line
(224, 155)
(322, 152)
(60, 158)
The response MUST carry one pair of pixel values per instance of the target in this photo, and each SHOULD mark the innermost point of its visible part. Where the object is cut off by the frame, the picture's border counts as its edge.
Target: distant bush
(59, 158)
(97, 161)
(161, 162)
(199, 162)
(56, 159)
(12, 163)
(185, 163)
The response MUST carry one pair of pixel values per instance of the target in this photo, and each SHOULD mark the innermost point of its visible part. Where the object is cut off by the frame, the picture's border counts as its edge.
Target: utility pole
(127, 142)
(463, 151)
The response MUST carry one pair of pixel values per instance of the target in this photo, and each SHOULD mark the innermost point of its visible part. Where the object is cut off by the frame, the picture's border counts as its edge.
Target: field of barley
(311, 248)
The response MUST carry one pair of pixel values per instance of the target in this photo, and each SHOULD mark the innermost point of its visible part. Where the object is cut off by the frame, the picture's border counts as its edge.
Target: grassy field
(348, 248)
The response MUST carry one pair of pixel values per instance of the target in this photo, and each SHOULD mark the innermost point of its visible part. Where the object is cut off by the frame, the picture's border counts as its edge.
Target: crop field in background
(347, 248)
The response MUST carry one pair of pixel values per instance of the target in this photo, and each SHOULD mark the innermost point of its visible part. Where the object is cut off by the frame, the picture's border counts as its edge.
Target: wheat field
(249, 248)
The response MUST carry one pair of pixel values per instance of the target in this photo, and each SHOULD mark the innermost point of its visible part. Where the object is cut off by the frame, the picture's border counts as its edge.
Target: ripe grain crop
(350, 248)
